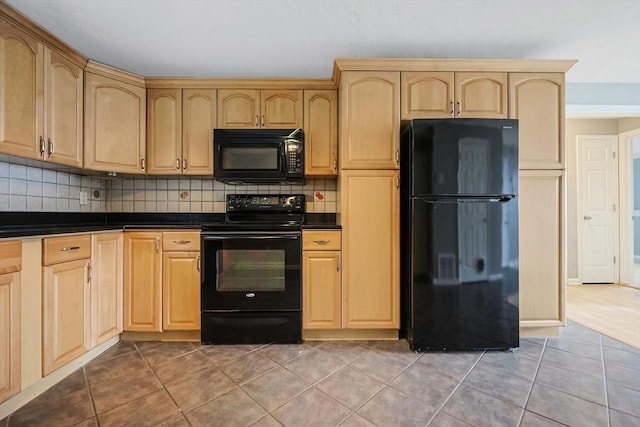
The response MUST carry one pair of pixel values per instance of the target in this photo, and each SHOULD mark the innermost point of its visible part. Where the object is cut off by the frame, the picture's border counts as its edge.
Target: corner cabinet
(41, 96)
(10, 351)
(180, 131)
(321, 133)
(370, 201)
(369, 120)
(115, 124)
(256, 108)
(447, 94)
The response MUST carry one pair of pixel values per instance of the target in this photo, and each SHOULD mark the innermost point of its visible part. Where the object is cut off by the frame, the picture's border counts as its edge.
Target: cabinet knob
(142, 163)
(459, 109)
(50, 152)
(451, 108)
(89, 272)
(157, 242)
(42, 147)
(177, 164)
(184, 164)
(257, 123)
(198, 266)
(262, 122)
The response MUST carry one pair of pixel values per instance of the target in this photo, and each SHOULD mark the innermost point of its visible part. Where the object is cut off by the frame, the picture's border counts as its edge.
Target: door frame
(616, 198)
(625, 203)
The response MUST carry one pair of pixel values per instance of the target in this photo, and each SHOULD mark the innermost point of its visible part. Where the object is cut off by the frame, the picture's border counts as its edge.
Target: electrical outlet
(84, 199)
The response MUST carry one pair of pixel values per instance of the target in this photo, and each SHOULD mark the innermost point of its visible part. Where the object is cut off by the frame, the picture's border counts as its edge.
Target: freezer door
(464, 274)
(464, 157)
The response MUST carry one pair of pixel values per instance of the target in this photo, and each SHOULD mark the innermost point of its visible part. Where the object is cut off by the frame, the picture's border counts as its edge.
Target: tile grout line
(93, 403)
(456, 389)
(533, 382)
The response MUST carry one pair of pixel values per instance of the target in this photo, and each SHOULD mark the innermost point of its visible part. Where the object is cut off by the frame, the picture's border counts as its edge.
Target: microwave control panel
(294, 158)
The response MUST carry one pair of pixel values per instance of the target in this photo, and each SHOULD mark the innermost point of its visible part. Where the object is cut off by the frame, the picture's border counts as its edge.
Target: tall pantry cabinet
(369, 198)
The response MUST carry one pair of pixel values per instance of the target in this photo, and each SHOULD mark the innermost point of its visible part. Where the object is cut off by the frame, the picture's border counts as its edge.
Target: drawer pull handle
(322, 242)
(198, 266)
(181, 242)
(69, 248)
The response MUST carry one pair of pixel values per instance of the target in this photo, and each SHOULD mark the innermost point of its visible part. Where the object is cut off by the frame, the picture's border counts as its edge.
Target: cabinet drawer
(321, 240)
(62, 249)
(10, 256)
(181, 241)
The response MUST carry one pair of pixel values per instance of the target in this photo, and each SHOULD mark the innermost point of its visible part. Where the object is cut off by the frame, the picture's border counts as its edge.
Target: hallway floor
(581, 378)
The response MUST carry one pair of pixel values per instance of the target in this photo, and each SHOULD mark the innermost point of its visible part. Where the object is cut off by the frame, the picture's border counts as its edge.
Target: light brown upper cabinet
(255, 108)
(41, 95)
(369, 120)
(321, 132)
(115, 120)
(180, 131)
(537, 101)
(444, 94)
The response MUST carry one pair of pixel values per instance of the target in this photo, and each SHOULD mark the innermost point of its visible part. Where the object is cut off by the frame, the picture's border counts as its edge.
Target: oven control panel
(265, 202)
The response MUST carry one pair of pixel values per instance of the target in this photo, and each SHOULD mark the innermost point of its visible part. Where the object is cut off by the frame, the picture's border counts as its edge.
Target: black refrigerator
(459, 234)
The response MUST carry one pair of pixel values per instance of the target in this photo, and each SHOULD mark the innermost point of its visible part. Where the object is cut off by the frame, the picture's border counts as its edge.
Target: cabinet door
(537, 101)
(142, 281)
(281, 109)
(541, 246)
(21, 80)
(114, 125)
(164, 131)
(181, 291)
(199, 111)
(427, 94)
(9, 335)
(370, 247)
(481, 95)
(63, 104)
(321, 290)
(320, 132)
(106, 286)
(369, 120)
(65, 317)
(238, 108)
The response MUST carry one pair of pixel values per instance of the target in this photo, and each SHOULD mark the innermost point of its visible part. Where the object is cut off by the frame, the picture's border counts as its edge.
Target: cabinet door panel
(537, 101)
(281, 109)
(115, 122)
(199, 111)
(481, 95)
(142, 281)
(427, 94)
(65, 332)
(321, 290)
(63, 99)
(541, 243)
(21, 103)
(164, 131)
(106, 286)
(9, 335)
(238, 108)
(369, 120)
(181, 290)
(370, 246)
(321, 132)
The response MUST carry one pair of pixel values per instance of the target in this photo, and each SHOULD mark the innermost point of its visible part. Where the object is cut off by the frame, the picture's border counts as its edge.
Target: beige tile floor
(581, 378)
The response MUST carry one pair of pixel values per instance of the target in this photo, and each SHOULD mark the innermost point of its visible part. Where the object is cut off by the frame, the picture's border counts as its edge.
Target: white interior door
(598, 190)
(629, 186)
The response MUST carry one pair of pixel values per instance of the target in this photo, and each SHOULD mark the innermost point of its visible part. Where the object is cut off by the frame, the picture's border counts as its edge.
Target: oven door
(251, 271)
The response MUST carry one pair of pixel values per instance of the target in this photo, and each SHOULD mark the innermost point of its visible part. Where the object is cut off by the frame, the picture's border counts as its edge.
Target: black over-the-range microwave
(258, 156)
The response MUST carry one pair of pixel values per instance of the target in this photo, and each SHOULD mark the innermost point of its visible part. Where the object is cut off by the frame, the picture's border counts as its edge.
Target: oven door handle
(252, 236)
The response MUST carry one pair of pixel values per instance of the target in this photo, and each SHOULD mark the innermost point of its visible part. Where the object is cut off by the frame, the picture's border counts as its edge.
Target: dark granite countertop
(23, 224)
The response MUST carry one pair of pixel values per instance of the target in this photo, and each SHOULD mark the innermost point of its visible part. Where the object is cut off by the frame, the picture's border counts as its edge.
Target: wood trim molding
(114, 73)
(447, 64)
(232, 83)
(25, 24)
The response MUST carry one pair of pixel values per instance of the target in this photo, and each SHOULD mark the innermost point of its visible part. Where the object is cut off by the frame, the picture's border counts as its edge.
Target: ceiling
(301, 38)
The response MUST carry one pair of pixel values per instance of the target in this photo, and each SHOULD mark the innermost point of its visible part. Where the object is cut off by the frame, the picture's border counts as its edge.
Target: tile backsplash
(27, 188)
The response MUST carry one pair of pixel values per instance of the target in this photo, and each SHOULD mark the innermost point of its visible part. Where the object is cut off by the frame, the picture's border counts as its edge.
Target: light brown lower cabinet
(162, 281)
(66, 313)
(10, 266)
(106, 286)
(321, 281)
